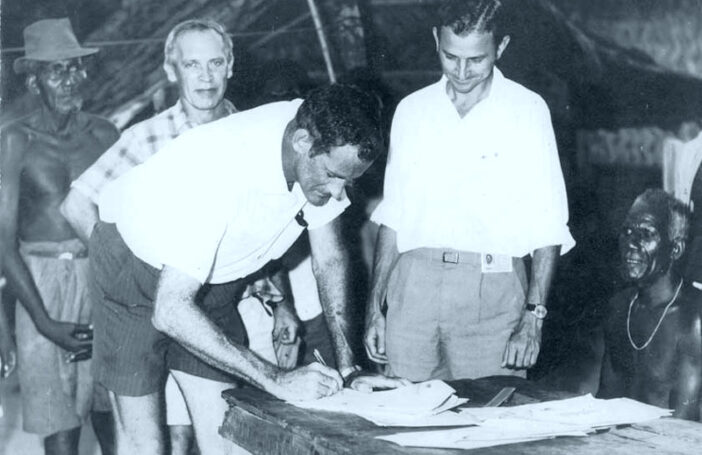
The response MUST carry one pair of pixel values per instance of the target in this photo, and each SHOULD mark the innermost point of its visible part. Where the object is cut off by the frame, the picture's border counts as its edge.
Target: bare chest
(51, 165)
(656, 364)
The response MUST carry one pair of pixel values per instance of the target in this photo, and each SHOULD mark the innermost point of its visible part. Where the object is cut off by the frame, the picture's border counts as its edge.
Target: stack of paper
(413, 405)
(489, 433)
(571, 417)
(585, 411)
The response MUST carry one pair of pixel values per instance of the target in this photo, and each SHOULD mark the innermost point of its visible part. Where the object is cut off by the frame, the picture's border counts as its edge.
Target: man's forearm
(524, 344)
(333, 282)
(689, 377)
(543, 268)
(331, 267)
(20, 280)
(384, 260)
(81, 213)
(686, 403)
(176, 314)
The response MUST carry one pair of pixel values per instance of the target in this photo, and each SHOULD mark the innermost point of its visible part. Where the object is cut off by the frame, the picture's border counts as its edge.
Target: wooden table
(265, 425)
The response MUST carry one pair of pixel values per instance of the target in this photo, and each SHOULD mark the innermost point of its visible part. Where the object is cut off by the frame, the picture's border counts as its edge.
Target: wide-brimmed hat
(48, 40)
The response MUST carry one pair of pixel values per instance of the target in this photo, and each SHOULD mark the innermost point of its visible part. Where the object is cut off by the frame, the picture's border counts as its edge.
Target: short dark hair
(467, 16)
(678, 214)
(342, 114)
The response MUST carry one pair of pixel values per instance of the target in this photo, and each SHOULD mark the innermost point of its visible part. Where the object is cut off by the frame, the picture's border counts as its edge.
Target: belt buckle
(450, 257)
(66, 256)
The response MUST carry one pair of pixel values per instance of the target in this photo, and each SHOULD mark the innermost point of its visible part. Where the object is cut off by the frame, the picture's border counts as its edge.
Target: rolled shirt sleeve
(111, 165)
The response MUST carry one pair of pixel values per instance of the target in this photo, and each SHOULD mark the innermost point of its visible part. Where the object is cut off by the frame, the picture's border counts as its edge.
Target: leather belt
(64, 255)
(451, 257)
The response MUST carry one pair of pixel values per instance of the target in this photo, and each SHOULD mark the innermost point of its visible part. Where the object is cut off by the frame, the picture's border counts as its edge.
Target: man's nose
(336, 189)
(633, 240)
(73, 78)
(463, 67)
(206, 74)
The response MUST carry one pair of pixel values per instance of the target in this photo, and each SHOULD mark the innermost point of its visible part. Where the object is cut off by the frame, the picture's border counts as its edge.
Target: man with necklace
(653, 334)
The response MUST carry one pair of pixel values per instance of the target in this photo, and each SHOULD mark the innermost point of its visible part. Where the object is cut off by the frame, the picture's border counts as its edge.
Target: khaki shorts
(449, 320)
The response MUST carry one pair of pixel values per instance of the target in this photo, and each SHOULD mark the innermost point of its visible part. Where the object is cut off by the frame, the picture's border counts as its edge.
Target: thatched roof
(584, 77)
(126, 71)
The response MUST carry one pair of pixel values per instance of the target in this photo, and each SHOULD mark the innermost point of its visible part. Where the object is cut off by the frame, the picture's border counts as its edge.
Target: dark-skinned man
(473, 184)
(44, 261)
(653, 332)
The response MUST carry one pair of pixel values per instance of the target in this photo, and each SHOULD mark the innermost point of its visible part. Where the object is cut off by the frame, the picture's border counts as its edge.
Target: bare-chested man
(654, 331)
(44, 261)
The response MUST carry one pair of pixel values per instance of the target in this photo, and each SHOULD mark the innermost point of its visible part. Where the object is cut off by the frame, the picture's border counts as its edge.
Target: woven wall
(670, 32)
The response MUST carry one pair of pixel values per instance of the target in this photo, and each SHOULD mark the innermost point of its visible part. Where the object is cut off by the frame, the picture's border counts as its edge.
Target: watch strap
(348, 371)
(537, 309)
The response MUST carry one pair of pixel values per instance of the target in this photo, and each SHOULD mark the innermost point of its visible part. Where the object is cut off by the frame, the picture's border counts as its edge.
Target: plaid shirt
(136, 145)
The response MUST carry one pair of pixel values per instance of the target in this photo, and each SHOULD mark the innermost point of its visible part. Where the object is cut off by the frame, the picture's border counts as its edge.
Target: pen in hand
(319, 357)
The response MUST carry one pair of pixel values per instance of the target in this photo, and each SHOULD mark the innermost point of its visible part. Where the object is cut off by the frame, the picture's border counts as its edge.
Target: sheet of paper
(583, 410)
(405, 406)
(489, 433)
(571, 417)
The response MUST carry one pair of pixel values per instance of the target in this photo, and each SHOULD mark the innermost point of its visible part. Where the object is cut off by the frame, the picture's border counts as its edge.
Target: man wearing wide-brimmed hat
(45, 263)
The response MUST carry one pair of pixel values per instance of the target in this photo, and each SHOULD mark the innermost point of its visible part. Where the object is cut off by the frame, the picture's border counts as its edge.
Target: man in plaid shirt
(201, 73)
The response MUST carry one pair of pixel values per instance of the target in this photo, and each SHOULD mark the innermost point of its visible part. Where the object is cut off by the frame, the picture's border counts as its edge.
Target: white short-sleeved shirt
(214, 203)
(488, 182)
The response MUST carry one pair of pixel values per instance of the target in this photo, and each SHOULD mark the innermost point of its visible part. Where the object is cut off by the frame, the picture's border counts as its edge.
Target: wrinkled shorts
(131, 357)
(449, 320)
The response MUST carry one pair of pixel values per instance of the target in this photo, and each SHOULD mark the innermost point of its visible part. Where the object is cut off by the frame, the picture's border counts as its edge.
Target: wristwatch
(346, 373)
(538, 310)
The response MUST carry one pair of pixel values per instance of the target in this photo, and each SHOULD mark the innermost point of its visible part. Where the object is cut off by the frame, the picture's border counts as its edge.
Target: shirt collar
(180, 119)
(498, 80)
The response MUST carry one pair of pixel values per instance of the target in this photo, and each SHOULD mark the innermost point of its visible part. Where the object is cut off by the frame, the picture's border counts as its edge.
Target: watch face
(540, 311)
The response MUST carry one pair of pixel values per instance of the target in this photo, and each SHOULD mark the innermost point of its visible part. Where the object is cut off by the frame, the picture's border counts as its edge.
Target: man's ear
(170, 73)
(302, 141)
(502, 46)
(230, 68)
(678, 249)
(435, 32)
(32, 84)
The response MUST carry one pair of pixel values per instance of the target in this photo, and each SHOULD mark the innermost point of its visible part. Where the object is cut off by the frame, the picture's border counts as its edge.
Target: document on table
(570, 417)
(487, 434)
(583, 410)
(422, 404)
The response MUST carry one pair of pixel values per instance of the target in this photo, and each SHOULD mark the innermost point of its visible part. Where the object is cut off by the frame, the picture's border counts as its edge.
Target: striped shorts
(131, 357)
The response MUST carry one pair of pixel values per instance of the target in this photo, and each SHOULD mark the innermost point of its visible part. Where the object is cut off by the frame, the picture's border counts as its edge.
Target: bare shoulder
(690, 301)
(101, 128)
(690, 307)
(14, 137)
